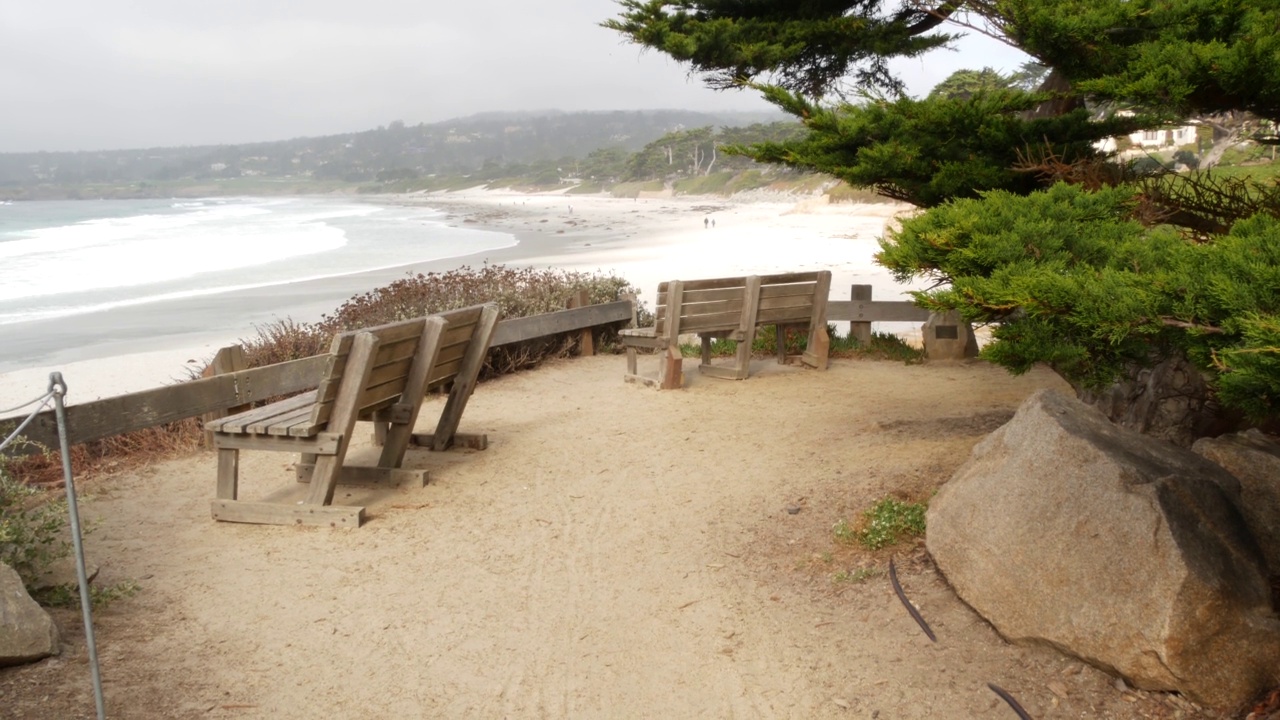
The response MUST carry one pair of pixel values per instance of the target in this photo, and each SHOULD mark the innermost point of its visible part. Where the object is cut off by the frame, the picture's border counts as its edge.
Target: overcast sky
(108, 74)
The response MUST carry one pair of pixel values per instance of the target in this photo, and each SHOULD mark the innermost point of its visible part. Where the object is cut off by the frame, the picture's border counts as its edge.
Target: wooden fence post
(861, 331)
(228, 360)
(586, 338)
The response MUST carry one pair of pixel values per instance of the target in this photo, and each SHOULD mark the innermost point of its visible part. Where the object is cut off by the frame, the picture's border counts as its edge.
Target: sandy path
(617, 552)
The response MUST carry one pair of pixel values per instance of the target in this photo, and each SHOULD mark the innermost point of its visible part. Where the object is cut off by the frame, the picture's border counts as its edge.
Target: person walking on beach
(705, 222)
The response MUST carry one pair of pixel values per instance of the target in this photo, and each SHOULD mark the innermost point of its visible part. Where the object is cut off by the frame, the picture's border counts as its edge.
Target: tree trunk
(1170, 400)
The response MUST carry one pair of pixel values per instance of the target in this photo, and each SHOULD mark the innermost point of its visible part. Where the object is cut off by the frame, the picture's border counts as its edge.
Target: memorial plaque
(946, 332)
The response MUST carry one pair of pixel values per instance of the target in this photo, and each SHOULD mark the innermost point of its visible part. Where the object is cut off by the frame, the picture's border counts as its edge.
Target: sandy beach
(645, 240)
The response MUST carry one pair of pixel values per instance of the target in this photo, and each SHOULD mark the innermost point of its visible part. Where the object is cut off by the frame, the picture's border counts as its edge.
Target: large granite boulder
(27, 633)
(1119, 549)
(1255, 461)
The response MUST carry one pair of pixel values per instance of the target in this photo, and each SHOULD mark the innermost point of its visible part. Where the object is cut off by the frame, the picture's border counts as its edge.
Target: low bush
(886, 523)
(31, 527)
(883, 346)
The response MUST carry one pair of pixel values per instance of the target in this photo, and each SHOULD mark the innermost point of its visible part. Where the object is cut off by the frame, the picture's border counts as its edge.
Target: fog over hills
(457, 146)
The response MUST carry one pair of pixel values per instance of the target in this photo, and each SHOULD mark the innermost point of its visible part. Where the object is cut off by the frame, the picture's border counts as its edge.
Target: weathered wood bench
(368, 371)
(403, 362)
(731, 308)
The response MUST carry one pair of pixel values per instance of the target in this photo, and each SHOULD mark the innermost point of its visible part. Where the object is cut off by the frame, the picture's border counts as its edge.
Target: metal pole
(59, 388)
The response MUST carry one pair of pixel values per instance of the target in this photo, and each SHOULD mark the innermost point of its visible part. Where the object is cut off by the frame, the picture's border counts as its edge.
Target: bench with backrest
(732, 308)
(374, 372)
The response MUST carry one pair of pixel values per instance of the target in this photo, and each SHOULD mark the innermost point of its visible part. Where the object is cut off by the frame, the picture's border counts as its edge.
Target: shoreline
(645, 240)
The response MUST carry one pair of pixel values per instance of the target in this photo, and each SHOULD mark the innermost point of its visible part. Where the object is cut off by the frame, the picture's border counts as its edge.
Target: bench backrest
(716, 303)
(469, 331)
(393, 362)
(793, 297)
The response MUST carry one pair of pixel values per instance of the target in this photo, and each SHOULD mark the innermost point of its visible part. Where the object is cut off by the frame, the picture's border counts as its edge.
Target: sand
(616, 552)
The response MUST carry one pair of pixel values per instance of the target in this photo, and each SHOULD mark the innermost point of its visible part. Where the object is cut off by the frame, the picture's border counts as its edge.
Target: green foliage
(886, 523)
(100, 596)
(1184, 56)
(928, 151)
(964, 84)
(883, 346)
(805, 46)
(704, 184)
(32, 528)
(1073, 281)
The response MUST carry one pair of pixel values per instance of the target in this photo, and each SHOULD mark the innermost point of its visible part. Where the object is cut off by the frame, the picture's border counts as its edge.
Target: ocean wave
(49, 313)
(155, 248)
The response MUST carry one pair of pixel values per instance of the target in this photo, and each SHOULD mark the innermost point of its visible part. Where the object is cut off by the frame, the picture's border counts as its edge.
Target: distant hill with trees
(539, 148)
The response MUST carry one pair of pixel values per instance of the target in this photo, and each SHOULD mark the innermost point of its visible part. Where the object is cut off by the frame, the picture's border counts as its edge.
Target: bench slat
(443, 373)
(804, 290)
(282, 423)
(236, 424)
(784, 316)
(712, 308)
(717, 321)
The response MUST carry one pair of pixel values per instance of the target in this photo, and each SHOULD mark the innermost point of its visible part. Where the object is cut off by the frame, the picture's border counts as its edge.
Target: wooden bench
(375, 372)
(731, 308)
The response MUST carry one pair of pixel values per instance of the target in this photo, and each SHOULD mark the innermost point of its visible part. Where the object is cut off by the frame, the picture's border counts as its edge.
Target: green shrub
(68, 596)
(32, 527)
(887, 522)
(704, 184)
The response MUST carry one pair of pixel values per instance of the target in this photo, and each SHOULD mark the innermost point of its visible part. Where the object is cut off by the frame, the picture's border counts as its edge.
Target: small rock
(27, 633)
(1057, 688)
(793, 509)
(841, 702)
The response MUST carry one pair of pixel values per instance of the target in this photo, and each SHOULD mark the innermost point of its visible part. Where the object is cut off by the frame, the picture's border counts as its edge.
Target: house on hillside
(1161, 138)
(1164, 138)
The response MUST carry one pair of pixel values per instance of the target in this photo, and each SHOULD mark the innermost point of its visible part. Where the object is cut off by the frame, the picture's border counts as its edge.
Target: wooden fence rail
(125, 413)
(861, 311)
(135, 411)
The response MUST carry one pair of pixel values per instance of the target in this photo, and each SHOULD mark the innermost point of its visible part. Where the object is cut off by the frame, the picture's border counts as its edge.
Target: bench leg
(744, 355)
(671, 371)
(631, 360)
(228, 473)
(306, 459)
(324, 480)
(706, 349)
(815, 356)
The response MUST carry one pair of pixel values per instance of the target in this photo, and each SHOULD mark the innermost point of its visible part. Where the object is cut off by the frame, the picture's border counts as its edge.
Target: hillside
(394, 152)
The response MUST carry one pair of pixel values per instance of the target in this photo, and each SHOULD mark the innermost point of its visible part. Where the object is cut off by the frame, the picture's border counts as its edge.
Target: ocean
(97, 277)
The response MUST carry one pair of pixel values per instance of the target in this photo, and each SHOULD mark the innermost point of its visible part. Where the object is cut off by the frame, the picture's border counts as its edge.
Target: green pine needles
(1072, 280)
